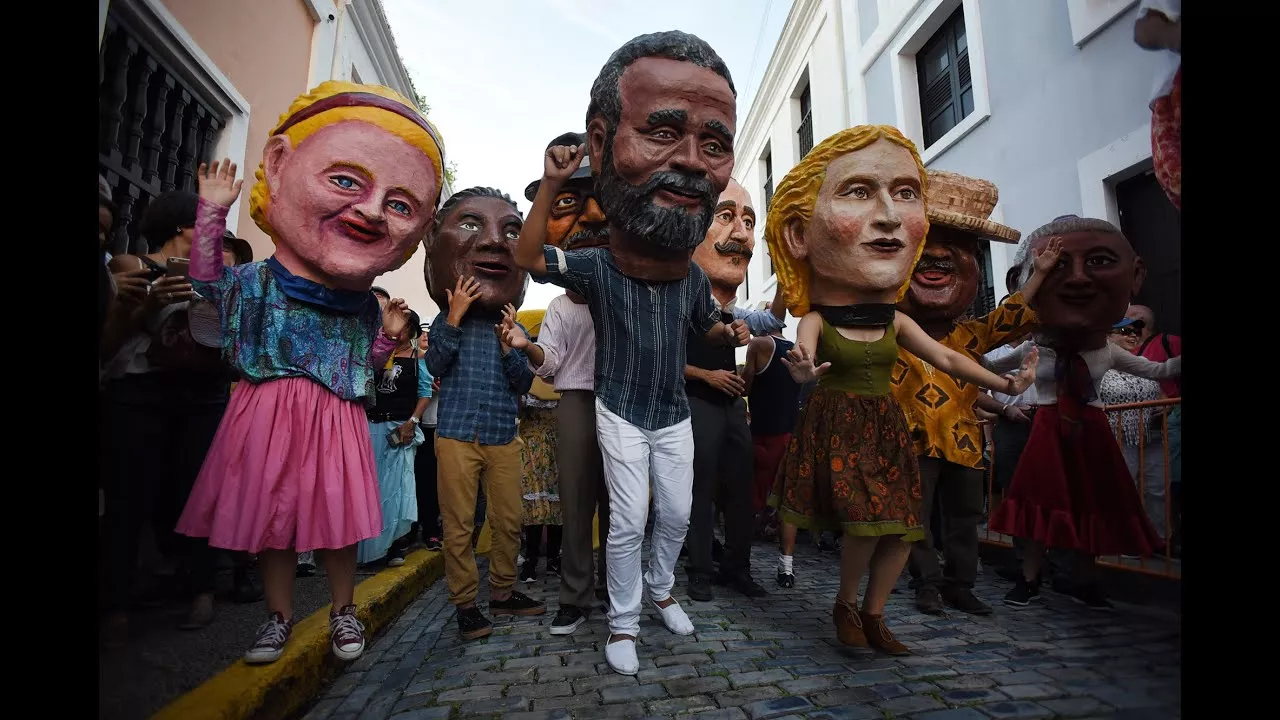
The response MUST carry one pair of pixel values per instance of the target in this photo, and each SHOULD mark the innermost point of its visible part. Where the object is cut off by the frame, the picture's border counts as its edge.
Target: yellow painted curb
(281, 689)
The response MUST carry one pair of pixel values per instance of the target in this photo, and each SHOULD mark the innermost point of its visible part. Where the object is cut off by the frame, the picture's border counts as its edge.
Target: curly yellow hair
(797, 195)
(402, 127)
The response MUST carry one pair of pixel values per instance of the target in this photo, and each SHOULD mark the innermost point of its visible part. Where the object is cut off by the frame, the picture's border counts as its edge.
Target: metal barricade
(1163, 564)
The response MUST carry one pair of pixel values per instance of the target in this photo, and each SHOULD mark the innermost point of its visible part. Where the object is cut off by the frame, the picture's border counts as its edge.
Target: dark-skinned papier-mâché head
(576, 220)
(945, 280)
(1097, 276)
(660, 131)
(475, 235)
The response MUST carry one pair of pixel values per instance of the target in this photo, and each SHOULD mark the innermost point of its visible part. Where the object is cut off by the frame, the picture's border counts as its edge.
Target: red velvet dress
(1072, 488)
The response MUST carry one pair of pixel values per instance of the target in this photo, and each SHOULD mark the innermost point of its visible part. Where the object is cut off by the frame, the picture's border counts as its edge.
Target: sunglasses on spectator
(1129, 330)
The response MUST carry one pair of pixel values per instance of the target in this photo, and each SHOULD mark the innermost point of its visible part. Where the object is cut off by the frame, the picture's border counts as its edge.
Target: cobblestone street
(772, 658)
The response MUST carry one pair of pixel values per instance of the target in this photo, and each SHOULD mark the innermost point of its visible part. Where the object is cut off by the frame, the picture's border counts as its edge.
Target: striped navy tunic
(641, 332)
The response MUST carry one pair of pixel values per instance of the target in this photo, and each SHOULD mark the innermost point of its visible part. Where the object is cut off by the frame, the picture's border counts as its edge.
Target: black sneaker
(743, 584)
(528, 571)
(472, 624)
(434, 544)
(825, 545)
(518, 604)
(786, 579)
(553, 566)
(700, 588)
(568, 618)
(1092, 597)
(1022, 594)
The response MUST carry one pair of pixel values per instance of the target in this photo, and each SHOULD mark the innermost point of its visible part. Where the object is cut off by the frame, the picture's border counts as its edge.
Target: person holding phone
(165, 395)
(393, 426)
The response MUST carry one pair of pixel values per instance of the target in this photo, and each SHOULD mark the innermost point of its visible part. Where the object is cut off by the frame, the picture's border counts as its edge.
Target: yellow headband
(797, 195)
(297, 125)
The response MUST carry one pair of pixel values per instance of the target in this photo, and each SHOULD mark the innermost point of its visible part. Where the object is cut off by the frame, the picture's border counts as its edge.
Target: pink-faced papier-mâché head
(349, 184)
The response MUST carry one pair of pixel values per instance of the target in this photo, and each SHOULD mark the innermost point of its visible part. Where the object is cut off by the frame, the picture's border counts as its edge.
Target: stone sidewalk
(773, 658)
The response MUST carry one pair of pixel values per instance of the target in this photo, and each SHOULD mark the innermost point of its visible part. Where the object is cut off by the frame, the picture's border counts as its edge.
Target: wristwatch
(414, 420)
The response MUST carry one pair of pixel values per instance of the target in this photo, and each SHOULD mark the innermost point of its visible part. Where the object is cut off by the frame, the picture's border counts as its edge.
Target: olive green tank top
(857, 367)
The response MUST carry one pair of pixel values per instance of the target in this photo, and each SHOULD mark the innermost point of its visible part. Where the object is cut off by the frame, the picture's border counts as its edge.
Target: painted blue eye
(400, 207)
(343, 182)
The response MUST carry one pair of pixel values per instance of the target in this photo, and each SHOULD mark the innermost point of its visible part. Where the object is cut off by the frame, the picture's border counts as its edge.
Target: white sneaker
(674, 617)
(621, 657)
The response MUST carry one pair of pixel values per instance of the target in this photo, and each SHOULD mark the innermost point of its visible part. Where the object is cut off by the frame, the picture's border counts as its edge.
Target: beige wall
(264, 49)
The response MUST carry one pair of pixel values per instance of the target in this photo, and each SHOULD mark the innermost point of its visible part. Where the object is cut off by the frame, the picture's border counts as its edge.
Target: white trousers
(629, 452)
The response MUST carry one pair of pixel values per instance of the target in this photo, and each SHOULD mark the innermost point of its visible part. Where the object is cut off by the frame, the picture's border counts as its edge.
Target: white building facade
(1048, 99)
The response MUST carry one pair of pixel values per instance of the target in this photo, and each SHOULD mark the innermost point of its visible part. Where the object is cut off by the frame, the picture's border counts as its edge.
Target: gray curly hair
(1061, 225)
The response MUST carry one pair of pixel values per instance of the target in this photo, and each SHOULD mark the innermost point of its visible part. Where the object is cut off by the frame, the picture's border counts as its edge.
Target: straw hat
(965, 203)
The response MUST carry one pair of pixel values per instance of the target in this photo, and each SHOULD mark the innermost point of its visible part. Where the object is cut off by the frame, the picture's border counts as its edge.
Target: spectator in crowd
(1138, 430)
(393, 427)
(1159, 28)
(165, 394)
(540, 480)
(1159, 347)
(773, 398)
(424, 464)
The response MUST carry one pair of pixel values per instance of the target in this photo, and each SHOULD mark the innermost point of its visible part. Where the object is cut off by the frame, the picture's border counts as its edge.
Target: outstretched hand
(1046, 258)
(560, 162)
(799, 362)
(218, 184)
(1026, 374)
(509, 333)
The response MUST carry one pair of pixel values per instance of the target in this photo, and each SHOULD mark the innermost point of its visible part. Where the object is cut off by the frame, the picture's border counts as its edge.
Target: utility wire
(755, 56)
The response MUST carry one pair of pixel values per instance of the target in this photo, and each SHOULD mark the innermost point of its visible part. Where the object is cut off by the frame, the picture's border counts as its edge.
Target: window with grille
(946, 88)
(768, 196)
(806, 122)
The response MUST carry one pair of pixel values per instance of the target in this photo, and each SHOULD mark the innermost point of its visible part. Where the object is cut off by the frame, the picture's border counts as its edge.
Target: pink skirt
(290, 468)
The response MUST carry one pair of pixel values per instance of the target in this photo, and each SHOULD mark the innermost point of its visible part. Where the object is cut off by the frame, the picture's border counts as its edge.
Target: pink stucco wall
(264, 49)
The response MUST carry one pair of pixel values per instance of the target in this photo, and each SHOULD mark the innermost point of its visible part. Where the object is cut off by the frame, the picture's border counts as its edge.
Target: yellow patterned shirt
(939, 408)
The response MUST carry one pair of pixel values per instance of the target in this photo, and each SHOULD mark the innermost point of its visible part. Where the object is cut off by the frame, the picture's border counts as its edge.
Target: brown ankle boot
(879, 637)
(848, 625)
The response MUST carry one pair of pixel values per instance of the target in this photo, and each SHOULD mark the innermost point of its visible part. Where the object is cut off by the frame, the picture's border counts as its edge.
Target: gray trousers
(1151, 482)
(582, 495)
(722, 454)
(959, 489)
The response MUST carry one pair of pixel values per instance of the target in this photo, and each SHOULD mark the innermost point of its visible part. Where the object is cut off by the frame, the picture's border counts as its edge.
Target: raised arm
(1042, 263)
(219, 188)
(1125, 361)
(558, 164)
(918, 343)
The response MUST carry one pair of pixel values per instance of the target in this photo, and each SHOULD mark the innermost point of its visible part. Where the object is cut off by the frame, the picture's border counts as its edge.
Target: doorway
(1154, 226)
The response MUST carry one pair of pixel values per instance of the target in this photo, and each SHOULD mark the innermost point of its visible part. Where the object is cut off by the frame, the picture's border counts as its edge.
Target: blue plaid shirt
(480, 388)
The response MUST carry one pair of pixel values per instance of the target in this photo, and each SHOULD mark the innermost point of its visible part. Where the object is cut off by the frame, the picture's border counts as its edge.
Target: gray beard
(632, 209)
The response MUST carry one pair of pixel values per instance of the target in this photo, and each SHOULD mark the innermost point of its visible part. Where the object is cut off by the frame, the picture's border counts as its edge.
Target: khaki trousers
(461, 467)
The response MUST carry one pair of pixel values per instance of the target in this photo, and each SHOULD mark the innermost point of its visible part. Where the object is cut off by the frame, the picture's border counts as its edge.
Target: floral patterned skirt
(540, 481)
(850, 467)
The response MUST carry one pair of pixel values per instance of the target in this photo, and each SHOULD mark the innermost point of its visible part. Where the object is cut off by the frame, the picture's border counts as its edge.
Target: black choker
(860, 315)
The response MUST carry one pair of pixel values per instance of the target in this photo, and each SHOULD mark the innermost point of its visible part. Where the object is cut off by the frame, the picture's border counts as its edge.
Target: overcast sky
(504, 77)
